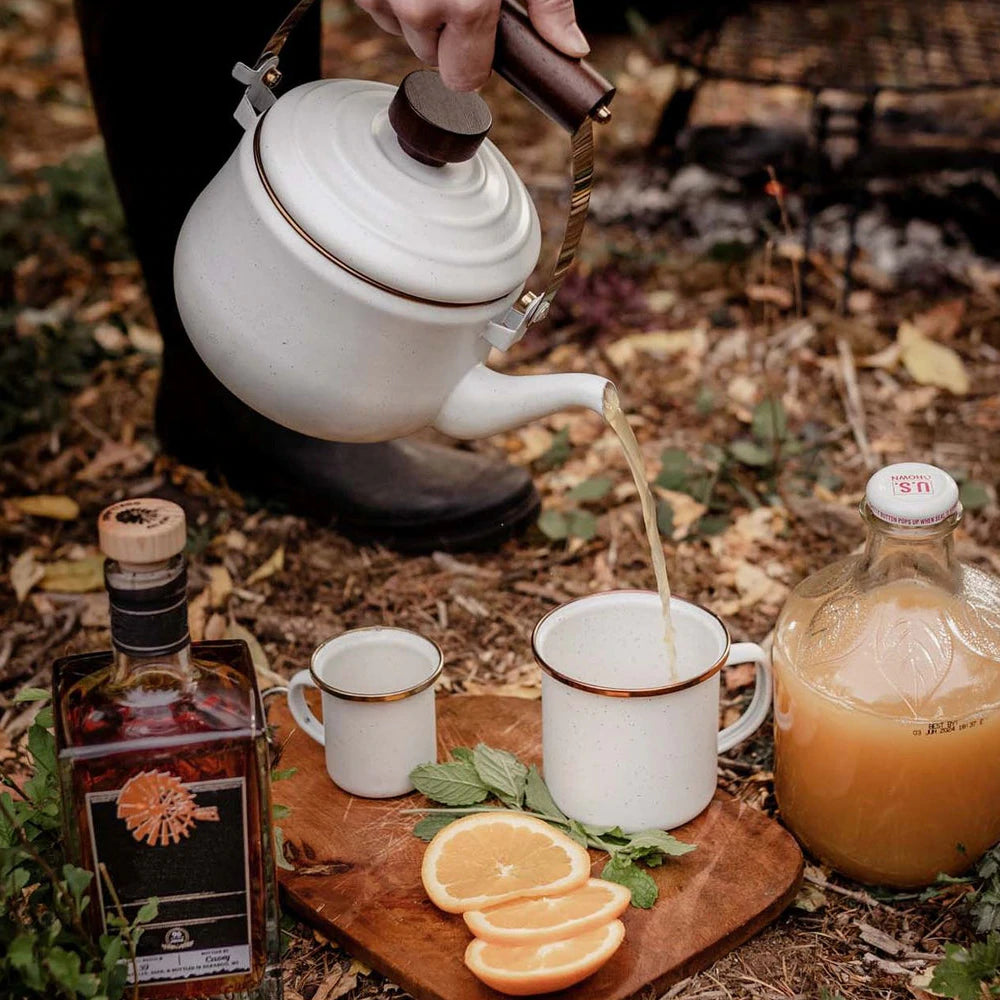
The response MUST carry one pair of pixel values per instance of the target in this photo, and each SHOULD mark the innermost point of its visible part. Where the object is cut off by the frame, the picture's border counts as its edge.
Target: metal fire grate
(855, 45)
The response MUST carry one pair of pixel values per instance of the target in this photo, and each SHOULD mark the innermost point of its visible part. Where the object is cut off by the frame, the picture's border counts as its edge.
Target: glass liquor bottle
(887, 694)
(165, 776)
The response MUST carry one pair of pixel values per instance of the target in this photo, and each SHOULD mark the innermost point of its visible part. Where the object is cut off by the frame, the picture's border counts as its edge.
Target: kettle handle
(567, 90)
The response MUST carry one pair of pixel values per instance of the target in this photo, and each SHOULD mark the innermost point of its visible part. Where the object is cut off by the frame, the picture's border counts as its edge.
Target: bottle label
(185, 844)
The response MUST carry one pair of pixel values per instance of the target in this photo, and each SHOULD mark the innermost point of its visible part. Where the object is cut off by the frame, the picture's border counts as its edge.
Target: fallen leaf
(74, 576)
(220, 585)
(215, 627)
(56, 507)
(687, 511)
(129, 458)
(260, 661)
(145, 340)
(931, 363)
(95, 611)
(914, 400)
(110, 338)
(810, 898)
(739, 677)
(25, 573)
(531, 443)
(941, 322)
(198, 615)
(272, 565)
(743, 390)
(774, 295)
(886, 359)
(660, 301)
(659, 344)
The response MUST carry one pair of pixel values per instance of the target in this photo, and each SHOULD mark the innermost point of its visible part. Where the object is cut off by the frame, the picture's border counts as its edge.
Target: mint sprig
(486, 779)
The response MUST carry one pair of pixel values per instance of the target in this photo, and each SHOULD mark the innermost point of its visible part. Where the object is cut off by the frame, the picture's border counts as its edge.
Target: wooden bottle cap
(141, 531)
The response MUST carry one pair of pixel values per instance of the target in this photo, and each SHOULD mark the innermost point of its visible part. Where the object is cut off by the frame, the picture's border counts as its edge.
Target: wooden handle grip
(563, 88)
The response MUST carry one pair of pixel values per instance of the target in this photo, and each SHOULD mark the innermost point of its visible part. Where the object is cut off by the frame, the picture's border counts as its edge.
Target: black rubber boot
(160, 79)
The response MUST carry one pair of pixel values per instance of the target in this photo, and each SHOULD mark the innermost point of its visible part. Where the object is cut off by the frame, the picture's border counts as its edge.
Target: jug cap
(142, 531)
(912, 494)
(458, 233)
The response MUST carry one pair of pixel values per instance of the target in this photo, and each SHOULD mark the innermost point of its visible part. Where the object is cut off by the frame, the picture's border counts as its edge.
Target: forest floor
(698, 339)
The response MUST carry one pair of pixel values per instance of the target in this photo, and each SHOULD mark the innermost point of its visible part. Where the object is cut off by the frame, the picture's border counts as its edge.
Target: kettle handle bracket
(259, 95)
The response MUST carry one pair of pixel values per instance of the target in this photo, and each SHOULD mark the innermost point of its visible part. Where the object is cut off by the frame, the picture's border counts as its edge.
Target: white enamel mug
(624, 744)
(378, 707)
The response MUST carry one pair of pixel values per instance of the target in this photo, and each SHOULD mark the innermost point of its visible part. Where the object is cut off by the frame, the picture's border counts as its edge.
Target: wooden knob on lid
(142, 531)
(436, 125)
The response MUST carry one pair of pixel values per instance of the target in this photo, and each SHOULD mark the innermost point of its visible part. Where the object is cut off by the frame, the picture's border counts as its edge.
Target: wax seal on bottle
(142, 530)
(912, 494)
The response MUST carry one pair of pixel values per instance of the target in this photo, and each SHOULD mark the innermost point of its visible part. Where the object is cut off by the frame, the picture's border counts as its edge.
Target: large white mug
(378, 707)
(623, 742)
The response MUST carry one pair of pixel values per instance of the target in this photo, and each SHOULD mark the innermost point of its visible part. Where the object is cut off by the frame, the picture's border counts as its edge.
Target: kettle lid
(401, 187)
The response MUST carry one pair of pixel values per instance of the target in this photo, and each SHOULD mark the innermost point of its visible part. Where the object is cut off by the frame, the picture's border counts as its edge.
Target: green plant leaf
(430, 825)
(77, 881)
(557, 453)
(148, 911)
(591, 489)
(31, 694)
(713, 525)
(664, 518)
(639, 883)
(502, 772)
(974, 495)
(553, 524)
(538, 798)
(752, 454)
(462, 753)
(455, 783)
(278, 811)
(675, 470)
(581, 524)
(283, 775)
(769, 422)
(64, 967)
(963, 970)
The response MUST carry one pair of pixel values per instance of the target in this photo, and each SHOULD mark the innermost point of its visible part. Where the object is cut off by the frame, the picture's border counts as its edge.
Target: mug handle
(750, 721)
(301, 712)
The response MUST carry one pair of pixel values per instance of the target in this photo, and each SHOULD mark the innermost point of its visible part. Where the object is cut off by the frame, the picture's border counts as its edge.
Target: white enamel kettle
(349, 268)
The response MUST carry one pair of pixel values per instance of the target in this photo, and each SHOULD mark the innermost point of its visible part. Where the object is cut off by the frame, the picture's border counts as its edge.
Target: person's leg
(160, 79)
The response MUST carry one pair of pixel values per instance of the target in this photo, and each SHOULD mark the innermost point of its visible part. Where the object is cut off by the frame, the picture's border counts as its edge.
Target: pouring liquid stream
(615, 417)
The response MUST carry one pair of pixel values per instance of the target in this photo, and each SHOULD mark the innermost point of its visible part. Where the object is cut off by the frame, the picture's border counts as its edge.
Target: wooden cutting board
(357, 872)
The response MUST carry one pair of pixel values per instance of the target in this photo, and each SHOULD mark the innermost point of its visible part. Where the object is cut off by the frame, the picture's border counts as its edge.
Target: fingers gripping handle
(301, 712)
(750, 721)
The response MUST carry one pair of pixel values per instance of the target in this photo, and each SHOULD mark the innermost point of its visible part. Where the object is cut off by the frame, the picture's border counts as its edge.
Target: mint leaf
(462, 753)
(590, 489)
(639, 883)
(538, 798)
(283, 775)
(148, 911)
(962, 971)
(502, 772)
(453, 784)
(430, 825)
(658, 841)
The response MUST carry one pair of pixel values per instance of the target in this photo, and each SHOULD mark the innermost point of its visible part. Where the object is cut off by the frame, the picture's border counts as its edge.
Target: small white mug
(622, 742)
(378, 707)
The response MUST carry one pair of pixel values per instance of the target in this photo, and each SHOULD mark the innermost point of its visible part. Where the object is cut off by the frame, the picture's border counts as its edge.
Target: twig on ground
(853, 404)
(859, 897)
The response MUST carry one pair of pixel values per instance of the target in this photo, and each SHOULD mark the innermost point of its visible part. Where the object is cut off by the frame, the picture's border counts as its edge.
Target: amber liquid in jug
(887, 695)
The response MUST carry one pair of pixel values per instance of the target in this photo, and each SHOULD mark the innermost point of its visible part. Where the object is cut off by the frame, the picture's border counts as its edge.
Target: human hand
(457, 36)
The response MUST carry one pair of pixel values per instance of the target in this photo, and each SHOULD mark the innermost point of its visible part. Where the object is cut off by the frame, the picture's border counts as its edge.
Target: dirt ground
(695, 342)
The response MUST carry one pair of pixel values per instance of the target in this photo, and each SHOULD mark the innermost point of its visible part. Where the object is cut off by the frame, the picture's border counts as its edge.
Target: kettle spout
(486, 402)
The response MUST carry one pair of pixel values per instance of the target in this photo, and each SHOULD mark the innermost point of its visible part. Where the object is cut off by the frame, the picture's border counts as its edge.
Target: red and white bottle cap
(912, 494)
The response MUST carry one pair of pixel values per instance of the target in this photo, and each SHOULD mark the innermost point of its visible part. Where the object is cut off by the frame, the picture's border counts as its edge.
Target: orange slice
(492, 857)
(520, 970)
(550, 918)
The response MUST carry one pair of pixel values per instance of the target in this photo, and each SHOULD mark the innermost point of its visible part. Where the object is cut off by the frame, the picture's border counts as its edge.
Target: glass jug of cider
(887, 694)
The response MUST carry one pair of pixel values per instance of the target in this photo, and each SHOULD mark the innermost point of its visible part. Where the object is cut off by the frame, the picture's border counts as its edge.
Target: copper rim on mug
(610, 692)
(399, 695)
